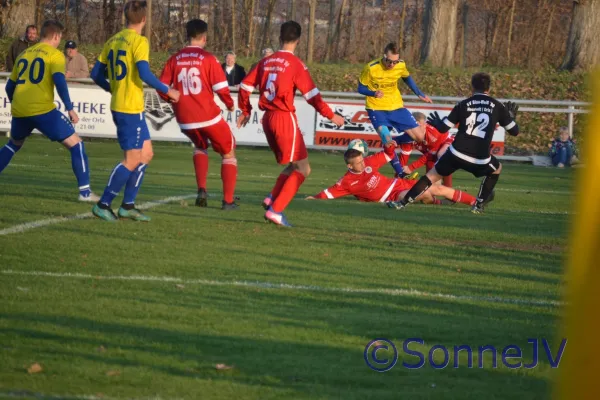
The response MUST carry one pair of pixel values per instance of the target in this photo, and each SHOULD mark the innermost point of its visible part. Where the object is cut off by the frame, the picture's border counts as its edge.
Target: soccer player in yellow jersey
(379, 83)
(124, 59)
(30, 90)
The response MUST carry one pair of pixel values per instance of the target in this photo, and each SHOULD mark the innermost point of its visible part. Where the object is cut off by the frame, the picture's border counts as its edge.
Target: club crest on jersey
(368, 170)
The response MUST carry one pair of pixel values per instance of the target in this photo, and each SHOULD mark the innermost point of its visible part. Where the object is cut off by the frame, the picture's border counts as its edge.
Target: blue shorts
(54, 125)
(400, 119)
(132, 130)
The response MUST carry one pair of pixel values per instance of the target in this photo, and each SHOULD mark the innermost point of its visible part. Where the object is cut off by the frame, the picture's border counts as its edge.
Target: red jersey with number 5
(197, 75)
(277, 77)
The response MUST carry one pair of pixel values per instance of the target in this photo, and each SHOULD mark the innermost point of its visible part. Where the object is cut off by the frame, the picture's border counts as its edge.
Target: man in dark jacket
(22, 43)
(234, 72)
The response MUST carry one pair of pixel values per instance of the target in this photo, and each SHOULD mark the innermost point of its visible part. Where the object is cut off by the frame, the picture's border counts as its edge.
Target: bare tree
(510, 31)
(233, 23)
(312, 4)
(338, 29)
(402, 22)
(292, 10)
(267, 24)
(439, 32)
(383, 12)
(583, 44)
(330, 30)
(148, 21)
(14, 16)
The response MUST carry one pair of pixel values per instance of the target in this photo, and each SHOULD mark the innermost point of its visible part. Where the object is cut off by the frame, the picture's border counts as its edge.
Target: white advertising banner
(92, 104)
(358, 126)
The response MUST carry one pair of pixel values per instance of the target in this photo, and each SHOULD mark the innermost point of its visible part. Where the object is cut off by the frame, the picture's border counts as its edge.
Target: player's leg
(380, 122)
(20, 129)
(456, 196)
(80, 166)
(269, 122)
(200, 160)
(403, 121)
(223, 142)
(446, 180)
(491, 171)
(134, 183)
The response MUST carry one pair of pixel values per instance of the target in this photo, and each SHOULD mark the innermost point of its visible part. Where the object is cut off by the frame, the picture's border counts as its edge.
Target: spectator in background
(22, 43)
(266, 52)
(562, 150)
(234, 72)
(77, 65)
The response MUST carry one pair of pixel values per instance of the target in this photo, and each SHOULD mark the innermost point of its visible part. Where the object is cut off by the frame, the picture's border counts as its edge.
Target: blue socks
(133, 185)
(118, 179)
(395, 163)
(6, 154)
(79, 163)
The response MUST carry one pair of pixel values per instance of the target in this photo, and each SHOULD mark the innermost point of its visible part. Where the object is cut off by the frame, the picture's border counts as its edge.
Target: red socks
(463, 197)
(201, 167)
(288, 191)
(229, 178)
(278, 185)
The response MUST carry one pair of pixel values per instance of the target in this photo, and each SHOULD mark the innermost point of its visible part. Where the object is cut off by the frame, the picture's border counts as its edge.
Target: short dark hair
(290, 32)
(481, 82)
(30, 27)
(50, 28)
(195, 28)
(392, 48)
(351, 154)
(135, 11)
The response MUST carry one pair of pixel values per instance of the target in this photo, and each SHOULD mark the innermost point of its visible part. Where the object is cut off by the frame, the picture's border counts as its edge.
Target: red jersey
(433, 141)
(369, 185)
(197, 75)
(277, 77)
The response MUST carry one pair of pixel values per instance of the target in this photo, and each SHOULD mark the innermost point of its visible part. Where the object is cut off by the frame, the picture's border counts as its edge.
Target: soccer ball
(360, 145)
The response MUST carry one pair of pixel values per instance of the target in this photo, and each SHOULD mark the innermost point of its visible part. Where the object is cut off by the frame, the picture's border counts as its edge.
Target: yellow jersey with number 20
(376, 77)
(120, 53)
(34, 94)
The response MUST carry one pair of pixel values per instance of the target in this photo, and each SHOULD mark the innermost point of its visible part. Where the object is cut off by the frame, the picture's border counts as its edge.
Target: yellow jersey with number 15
(120, 53)
(34, 94)
(376, 77)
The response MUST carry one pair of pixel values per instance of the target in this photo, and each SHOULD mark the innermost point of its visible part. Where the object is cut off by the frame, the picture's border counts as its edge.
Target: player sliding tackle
(125, 59)
(477, 117)
(277, 78)
(30, 90)
(379, 82)
(364, 181)
(196, 73)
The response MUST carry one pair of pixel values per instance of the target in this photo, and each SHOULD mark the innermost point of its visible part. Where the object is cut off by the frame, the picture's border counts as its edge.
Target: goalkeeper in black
(476, 117)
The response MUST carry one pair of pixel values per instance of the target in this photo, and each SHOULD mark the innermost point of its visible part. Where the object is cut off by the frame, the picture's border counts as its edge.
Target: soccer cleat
(229, 206)
(395, 204)
(133, 214)
(201, 199)
(105, 214)
(412, 175)
(276, 218)
(267, 202)
(477, 209)
(91, 198)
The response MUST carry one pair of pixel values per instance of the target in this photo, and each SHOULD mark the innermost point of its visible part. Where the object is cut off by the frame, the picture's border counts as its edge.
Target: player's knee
(231, 154)
(18, 143)
(147, 156)
(303, 168)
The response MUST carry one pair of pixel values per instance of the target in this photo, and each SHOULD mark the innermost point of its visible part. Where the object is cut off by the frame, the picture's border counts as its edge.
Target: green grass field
(132, 310)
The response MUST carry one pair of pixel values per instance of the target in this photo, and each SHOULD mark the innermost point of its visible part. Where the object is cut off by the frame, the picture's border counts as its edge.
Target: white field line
(26, 394)
(53, 221)
(271, 285)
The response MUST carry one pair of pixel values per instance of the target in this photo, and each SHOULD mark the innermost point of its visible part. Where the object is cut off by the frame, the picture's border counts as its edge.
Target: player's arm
(219, 84)
(363, 84)
(166, 77)
(141, 55)
(98, 75)
(381, 158)
(303, 81)
(11, 85)
(246, 88)
(443, 125)
(57, 69)
(410, 82)
(332, 192)
(508, 116)
(419, 162)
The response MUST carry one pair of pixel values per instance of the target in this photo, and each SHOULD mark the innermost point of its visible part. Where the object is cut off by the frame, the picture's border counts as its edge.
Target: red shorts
(218, 135)
(400, 186)
(284, 136)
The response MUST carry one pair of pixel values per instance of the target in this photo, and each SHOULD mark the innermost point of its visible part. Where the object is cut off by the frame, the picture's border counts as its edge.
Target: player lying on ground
(197, 75)
(364, 181)
(477, 117)
(432, 148)
(379, 83)
(30, 90)
(277, 77)
(124, 59)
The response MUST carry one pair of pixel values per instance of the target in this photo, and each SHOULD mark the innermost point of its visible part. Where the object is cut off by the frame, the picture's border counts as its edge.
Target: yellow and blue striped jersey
(34, 93)
(120, 54)
(376, 77)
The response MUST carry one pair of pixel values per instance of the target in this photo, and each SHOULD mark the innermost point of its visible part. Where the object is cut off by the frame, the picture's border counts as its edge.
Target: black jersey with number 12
(477, 117)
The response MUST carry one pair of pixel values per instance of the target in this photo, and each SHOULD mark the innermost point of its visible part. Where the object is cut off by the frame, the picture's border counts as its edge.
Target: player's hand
(378, 94)
(231, 109)
(243, 120)
(173, 95)
(337, 119)
(406, 170)
(512, 109)
(426, 99)
(73, 117)
(434, 120)
(310, 198)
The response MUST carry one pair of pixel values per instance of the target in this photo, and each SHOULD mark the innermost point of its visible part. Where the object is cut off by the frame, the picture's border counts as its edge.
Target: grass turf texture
(115, 338)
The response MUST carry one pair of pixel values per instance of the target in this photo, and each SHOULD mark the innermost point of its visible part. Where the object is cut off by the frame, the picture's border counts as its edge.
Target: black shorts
(449, 163)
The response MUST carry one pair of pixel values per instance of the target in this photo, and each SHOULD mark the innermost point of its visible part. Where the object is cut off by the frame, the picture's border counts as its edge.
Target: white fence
(93, 106)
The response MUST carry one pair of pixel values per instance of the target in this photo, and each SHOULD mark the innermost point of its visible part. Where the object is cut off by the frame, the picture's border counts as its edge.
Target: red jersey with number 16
(277, 77)
(197, 75)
